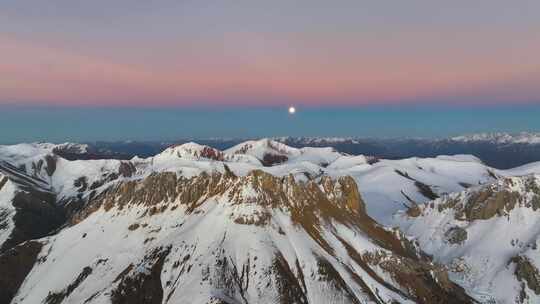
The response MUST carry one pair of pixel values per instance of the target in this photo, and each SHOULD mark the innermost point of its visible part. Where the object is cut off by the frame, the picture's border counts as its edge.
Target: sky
(61, 124)
(269, 53)
(134, 69)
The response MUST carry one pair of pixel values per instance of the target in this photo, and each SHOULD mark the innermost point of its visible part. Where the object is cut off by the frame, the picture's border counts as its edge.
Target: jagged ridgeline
(487, 237)
(261, 222)
(219, 238)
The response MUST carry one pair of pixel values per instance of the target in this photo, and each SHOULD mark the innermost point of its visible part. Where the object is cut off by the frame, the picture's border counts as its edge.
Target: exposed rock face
(327, 221)
(434, 288)
(197, 225)
(487, 202)
(194, 151)
(273, 159)
(15, 264)
(141, 287)
(526, 273)
(126, 169)
(269, 152)
(36, 212)
(475, 231)
(269, 192)
(58, 297)
(3, 181)
(456, 235)
(414, 211)
(211, 153)
(50, 161)
(424, 189)
(36, 216)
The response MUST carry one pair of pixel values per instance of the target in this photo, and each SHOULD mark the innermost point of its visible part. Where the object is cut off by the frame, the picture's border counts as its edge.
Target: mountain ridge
(499, 150)
(197, 224)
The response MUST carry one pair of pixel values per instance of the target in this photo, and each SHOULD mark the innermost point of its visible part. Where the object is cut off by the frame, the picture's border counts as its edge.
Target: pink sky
(348, 65)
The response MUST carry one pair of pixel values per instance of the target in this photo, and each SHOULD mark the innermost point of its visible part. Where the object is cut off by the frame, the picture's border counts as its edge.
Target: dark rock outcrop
(58, 297)
(36, 215)
(36, 211)
(488, 203)
(456, 235)
(15, 264)
(526, 272)
(270, 159)
(141, 287)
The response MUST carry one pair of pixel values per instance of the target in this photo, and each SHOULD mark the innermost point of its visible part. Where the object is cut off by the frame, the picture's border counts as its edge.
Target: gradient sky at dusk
(269, 53)
(60, 124)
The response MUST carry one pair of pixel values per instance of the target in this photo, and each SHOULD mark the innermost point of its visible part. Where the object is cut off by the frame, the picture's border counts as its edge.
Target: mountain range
(265, 221)
(499, 150)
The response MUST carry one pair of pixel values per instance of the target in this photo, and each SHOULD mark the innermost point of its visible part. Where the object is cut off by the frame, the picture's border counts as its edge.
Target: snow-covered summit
(262, 148)
(501, 138)
(303, 225)
(24, 152)
(271, 152)
(191, 151)
(389, 184)
(221, 238)
(74, 148)
(318, 140)
(487, 236)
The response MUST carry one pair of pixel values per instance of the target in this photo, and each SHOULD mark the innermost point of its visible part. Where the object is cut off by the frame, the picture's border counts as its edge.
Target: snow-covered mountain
(498, 137)
(270, 152)
(487, 236)
(500, 150)
(501, 138)
(197, 225)
(219, 238)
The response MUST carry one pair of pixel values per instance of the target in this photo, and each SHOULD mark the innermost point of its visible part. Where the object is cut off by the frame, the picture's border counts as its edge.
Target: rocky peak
(218, 237)
(193, 151)
(328, 211)
(29, 210)
(268, 151)
(288, 193)
(487, 236)
(3, 180)
(256, 188)
(496, 199)
(70, 148)
(265, 143)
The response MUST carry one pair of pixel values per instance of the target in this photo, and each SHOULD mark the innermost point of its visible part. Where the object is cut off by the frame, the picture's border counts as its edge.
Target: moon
(292, 110)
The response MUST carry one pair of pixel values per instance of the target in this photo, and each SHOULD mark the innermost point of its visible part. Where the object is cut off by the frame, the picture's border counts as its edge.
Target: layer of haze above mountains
(84, 124)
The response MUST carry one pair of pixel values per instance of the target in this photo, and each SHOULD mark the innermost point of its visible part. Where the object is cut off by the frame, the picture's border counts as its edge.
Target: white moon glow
(292, 110)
